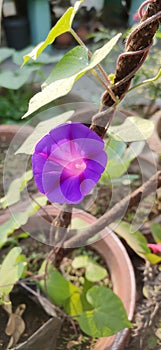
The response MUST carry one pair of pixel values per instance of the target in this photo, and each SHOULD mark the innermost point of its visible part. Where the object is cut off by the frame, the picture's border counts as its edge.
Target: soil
(34, 316)
(76, 341)
(146, 334)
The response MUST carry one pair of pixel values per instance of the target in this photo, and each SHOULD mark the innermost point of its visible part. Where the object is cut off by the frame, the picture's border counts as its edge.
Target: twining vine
(136, 50)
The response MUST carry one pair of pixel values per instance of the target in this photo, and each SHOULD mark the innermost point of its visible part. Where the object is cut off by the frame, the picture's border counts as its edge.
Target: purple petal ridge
(68, 162)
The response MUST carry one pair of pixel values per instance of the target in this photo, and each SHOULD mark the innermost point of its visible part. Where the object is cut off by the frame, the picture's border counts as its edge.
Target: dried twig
(136, 49)
(115, 212)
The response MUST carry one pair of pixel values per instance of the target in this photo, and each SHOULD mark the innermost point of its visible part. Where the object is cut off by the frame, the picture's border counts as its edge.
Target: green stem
(147, 81)
(93, 71)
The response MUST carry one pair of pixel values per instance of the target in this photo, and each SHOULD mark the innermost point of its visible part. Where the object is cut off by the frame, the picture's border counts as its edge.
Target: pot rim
(119, 266)
(121, 273)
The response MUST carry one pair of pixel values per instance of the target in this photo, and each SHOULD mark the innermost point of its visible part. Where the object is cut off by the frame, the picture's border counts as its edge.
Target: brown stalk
(119, 209)
(137, 47)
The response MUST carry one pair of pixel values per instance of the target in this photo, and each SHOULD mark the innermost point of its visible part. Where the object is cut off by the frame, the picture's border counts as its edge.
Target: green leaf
(5, 53)
(62, 26)
(76, 61)
(86, 286)
(60, 291)
(10, 271)
(42, 129)
(156, 232)
(15, 79)
(134, 239)
(115, 166)
(80, 261)
(153, 258)
(18, 55)
(44, 58)
(100, 54)
(133, 151)
(93, 271)
(133, 129)
(73, 305)
(61, 87)
(14, 192)
(78, 223)
(108, 315)
(14, 239)
(119, 157)
(116, 146)
(19, 219)
(72, 63)
(50, 93)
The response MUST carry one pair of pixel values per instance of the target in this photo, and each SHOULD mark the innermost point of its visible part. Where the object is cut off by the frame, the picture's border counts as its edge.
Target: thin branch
(42, 208)
(118, 210)
(44, 300)
(100, 68)
(81, 43)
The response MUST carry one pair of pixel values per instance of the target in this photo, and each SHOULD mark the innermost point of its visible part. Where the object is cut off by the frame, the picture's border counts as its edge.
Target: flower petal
(61, 133)
(68, 162)
(52, 189)
(93, 170)
(51, 181)
(86, 186)
(82, 131)
(38, 162)
(71, 190)
(156, 248)
(45, 146)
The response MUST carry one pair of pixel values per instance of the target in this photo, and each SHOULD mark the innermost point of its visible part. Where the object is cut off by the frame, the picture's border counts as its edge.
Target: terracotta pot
(118, 263)
(7, 133)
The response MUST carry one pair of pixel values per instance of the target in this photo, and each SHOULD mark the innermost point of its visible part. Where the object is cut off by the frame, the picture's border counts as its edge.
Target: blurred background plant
(18, 85)
(123, 142)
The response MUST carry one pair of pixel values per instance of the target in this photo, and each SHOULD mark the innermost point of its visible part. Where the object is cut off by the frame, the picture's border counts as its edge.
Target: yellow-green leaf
(63, 86)
(134, 239)
(42, 129)
(62, 26)
(133, 129)
(14, 191)
(19, 219)
(10, 271)
(108, 315)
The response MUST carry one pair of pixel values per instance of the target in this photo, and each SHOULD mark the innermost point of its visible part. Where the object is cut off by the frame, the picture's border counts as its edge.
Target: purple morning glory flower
(68, 162)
